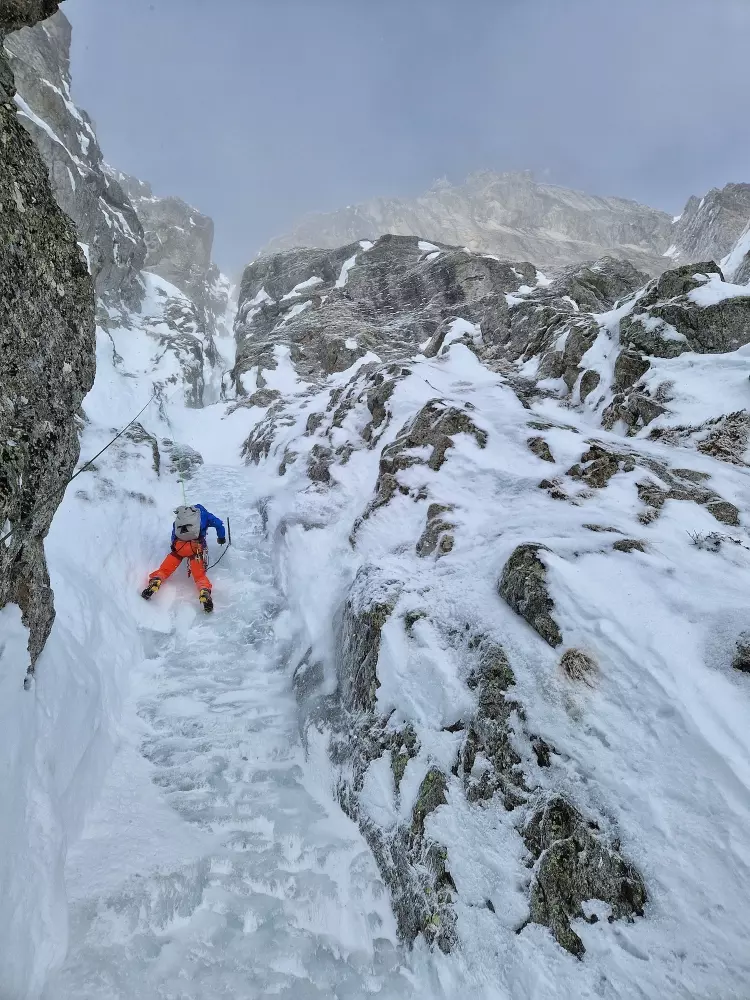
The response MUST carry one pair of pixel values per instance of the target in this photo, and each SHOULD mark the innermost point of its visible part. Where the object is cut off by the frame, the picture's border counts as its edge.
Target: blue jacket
(208, 520)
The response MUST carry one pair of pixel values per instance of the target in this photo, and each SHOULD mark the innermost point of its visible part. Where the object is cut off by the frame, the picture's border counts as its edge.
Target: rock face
(47, 352)
(574, 865)
(507, 214)
(179, 241)
(523, 586)
(107, 224)
(688, 309)
(401, 294)
(709, 227)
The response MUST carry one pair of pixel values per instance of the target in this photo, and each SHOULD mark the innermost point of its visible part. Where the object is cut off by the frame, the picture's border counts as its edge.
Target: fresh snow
(714, 290)
(659, 745)
(170, 829)
(207, 855)
(299, 288)
(205, 851)
(461, 328)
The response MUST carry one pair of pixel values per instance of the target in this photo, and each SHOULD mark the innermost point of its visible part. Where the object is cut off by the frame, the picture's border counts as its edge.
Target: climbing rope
(63, 486)
(229, 544)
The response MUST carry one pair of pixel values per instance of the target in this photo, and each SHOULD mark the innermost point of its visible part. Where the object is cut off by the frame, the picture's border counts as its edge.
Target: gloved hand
(221, 541)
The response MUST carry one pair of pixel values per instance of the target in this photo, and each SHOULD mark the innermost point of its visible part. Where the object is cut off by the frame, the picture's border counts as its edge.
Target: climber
(189, 542)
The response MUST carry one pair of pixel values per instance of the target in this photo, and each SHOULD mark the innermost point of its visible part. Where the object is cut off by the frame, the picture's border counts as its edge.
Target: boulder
(669, 320)
(575, 864)
(523, 586)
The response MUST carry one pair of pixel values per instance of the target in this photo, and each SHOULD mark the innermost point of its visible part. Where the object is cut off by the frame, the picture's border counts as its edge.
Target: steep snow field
(216, 862)
(206, 856)
(656, 745)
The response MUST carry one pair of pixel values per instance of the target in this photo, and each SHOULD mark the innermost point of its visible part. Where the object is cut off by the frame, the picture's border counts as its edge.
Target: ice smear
(299, 288)
(346, 268)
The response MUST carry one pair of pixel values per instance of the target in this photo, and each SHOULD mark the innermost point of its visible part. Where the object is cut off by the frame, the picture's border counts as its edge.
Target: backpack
(187, 524)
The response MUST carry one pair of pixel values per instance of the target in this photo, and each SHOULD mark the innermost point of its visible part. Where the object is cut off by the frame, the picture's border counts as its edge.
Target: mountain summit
(509, 214)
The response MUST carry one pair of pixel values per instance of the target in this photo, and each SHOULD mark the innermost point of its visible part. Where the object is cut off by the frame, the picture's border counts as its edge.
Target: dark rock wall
(39, 57)
(46, 353)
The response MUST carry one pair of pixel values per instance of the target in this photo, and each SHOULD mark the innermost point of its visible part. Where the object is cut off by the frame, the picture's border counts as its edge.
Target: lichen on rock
(47, 347)
(437, 536)
(574, 863)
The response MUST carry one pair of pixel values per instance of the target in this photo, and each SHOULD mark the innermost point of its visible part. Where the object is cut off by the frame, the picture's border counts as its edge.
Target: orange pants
(185, 550)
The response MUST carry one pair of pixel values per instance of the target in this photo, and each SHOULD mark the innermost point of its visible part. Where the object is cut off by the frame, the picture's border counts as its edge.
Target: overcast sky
(257, 111)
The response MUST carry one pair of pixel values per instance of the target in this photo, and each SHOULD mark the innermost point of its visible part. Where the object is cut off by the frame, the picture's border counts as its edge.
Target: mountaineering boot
(206, 600)
(149, 592)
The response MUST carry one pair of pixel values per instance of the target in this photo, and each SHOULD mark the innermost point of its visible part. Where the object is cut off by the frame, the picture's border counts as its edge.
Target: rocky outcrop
(523, 586)
(390, 298)
(737, 265)
(177, 327)
(47, 352)
(725, 437)
(558, 323)
(492, 734)
(105, 220)
(688, 309)
(510, 215)
(574, 865)
(179, 242)
(709, 227)
(412, 865)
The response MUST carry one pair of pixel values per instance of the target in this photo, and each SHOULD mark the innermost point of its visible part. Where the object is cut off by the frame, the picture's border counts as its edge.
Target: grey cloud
(260, 111)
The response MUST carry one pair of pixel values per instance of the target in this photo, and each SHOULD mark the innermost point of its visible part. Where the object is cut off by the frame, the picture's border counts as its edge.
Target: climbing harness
(204, 559)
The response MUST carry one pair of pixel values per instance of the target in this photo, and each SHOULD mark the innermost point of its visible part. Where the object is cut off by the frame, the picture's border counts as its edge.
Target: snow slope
(176, 828)
(656, 748)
